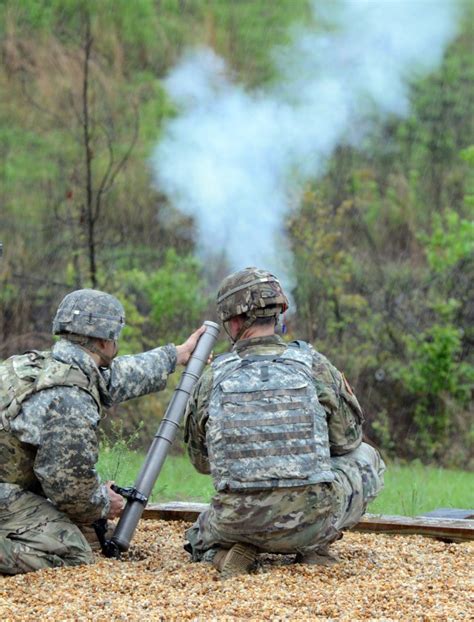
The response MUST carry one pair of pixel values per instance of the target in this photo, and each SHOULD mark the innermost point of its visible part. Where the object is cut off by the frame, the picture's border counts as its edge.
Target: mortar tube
(163, 439)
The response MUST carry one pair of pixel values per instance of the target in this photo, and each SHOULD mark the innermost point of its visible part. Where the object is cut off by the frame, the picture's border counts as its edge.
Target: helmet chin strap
(251, 318)
(87, 344)
(106, 360)
(247, 324)
(226, 328)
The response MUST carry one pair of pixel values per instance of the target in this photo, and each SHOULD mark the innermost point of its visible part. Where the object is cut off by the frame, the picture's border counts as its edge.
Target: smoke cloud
(237, 160)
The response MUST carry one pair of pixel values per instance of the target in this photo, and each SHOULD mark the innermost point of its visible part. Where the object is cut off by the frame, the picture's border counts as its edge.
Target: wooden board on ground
(449, 529)
(451, 513)
(174, 510)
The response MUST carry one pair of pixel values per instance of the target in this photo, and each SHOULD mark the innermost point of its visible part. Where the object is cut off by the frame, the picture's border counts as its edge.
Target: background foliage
(382, 244)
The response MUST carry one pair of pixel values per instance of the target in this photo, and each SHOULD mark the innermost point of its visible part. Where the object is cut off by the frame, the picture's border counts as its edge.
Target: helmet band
(245, 286)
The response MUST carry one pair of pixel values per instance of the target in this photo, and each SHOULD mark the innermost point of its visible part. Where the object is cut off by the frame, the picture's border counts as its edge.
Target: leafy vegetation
(410, 489)
(382, 243)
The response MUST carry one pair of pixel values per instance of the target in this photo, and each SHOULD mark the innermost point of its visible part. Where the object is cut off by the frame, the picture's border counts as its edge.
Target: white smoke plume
(237, 160)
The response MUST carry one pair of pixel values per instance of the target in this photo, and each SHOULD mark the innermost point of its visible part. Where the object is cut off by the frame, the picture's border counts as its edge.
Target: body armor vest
(20, 377)
(266, 427)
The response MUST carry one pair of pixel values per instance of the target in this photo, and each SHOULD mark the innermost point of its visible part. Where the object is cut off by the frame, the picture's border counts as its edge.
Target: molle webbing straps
(23, 375)
(238, 423)
(272, 451)
(266, 428)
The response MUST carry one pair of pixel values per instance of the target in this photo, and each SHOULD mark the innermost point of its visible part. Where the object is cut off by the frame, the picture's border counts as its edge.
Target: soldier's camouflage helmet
(252, 292)
(90, 312)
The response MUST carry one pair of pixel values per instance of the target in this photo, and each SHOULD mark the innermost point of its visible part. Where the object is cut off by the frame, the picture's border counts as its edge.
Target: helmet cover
(91, 313)
(252, 292)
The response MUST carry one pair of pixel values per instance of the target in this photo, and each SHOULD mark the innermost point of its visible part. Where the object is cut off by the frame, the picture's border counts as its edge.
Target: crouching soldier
(50, 407)
(280, 430)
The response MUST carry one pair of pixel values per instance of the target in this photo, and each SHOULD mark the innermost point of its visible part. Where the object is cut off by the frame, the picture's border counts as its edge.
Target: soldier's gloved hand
(185, 350)
(117, 502)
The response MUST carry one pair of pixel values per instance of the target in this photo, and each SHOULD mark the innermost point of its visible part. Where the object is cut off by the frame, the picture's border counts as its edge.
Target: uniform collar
(269, 340)
(72, 354)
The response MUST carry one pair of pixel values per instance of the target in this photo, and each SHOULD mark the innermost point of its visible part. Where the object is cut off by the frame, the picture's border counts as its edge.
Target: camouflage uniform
(48, 452)
(296, 519)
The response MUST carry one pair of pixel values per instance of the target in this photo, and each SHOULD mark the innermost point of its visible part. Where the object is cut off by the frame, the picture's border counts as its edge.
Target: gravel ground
(379, 578)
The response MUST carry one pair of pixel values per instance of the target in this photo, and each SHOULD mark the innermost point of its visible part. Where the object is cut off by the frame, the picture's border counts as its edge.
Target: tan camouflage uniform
(299, 519)
(48, 481)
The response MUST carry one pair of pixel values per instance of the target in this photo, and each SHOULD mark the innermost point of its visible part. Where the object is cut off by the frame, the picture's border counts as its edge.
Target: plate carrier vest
(22, 376)
(266, 427)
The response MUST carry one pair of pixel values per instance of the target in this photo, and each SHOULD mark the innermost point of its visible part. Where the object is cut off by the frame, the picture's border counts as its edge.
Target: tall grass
(413, 489)
(410, 489)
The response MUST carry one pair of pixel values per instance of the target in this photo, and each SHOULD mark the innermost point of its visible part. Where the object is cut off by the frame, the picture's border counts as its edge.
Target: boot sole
(239, 560)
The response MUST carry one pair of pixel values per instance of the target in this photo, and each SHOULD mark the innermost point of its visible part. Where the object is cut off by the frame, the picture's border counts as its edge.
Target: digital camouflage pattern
(265, 427)
(250, 291)
(53, 439)
(298, 519)
(91, 313)
(20, 377)
(23, 375)
(343, 411)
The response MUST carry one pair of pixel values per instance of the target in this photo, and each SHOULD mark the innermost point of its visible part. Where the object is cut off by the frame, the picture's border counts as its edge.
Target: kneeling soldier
(280, 430)
(50, 407)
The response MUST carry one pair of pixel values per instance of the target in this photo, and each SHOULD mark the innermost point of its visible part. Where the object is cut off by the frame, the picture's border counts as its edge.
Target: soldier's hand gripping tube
(138, 496)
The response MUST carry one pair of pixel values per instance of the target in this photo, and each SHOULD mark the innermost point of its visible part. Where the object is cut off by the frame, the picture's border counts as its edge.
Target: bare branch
(126, 156)
(29, 98)
(106, 176)
(88, 155)
(72, 103)
(35, 280)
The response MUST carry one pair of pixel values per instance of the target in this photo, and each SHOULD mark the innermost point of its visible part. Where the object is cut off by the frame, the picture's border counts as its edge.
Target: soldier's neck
(258, 331)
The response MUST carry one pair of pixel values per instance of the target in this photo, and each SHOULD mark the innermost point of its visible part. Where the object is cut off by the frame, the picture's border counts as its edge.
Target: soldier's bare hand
(117, 502)
(185, 350)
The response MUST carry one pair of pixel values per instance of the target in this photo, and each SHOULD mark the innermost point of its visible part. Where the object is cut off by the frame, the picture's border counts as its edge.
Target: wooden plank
(452, 530)
(451, 513)
(174, 510)
(449, 529)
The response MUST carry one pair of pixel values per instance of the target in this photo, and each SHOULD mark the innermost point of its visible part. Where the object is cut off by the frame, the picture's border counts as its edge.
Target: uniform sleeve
(195, 423)
(344, 413)
(135, 375)
(67, 455)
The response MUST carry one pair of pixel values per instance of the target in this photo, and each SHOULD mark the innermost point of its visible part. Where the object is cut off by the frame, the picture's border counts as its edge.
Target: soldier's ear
(233, 326)
(236, 323)
(101, 343)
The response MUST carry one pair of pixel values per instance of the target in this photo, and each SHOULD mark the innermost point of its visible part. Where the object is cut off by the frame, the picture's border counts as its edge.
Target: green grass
(178, 480)
(410, 489)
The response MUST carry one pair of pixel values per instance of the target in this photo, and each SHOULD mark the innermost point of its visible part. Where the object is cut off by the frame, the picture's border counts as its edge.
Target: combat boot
(319, 557)
(218, 559)
(237, 560)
